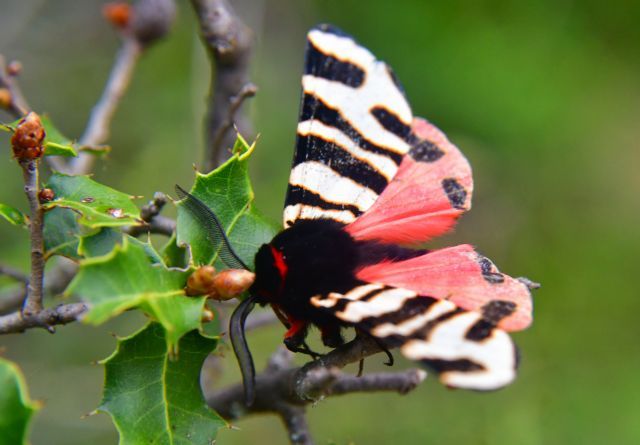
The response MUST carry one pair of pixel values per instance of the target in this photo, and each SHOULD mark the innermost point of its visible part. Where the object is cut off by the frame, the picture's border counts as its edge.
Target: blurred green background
(542, 97)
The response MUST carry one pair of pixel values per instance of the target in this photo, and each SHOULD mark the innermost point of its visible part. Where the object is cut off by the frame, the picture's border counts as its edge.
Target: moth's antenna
(205, 216)
(241, 349)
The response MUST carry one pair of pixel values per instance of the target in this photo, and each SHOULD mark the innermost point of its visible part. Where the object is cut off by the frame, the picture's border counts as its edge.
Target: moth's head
(271, 270)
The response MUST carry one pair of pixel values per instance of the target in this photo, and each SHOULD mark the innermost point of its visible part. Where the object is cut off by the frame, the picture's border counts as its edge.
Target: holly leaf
(227, 191)
(154, 398)
(151, 251)
(13, 215)
(97, 204)
(61, 233)
(100, 243)
(172, 254)
(127, 278)
(55, 144)
(16, 409)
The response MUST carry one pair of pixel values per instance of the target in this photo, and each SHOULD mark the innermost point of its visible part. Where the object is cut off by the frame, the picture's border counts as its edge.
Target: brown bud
(28, 137)
(46, 195)
(14, 68)
(233, 282)
(208, 315)
(152, 19)
(200, 282)
(5, 98)
(117, 13)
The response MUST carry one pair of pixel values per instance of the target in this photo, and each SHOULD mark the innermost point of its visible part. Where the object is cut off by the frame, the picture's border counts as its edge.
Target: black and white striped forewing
(352, 134)
(467, 350)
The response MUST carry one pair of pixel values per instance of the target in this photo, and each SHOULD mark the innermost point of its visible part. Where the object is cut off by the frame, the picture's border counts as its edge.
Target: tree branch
(286, 390)
(56, 280)
(228, 42)
(155, 223)
(46, 318)
(151, 20)
(97, 130)
(33, 302)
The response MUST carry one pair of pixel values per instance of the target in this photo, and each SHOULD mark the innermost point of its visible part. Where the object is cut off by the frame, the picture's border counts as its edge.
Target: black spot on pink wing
(455, 192)
(489, 271)
(425, 151)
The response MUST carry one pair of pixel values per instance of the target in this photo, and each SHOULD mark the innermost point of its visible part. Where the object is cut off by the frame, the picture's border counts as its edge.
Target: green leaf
(151, 251)
(126, 278)
(100, 243)
(227, 190)
(13, 215)
(16, 409)
(154, 398)
(174, 255)
(97, 204)
(55, 144)
(61, 233)
(96, 150)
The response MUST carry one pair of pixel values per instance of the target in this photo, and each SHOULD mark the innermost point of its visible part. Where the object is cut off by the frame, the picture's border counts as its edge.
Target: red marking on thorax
(296, 327)
(280, 263)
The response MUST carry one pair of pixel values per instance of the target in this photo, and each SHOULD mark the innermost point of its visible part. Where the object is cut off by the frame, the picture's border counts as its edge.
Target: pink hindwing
(431, 190)
(459, 274)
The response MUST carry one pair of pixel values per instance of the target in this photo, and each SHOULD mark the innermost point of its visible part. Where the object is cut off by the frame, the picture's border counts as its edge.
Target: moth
(368, 181)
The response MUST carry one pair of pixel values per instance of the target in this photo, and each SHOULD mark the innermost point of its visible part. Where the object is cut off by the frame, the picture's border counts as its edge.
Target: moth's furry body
(310, 258)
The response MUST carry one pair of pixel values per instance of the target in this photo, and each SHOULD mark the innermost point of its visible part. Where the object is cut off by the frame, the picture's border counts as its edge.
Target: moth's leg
(331, 336)
(294, 338)
(390, 360)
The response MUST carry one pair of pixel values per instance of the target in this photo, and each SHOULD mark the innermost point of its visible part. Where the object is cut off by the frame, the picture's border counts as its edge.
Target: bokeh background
(543, 98)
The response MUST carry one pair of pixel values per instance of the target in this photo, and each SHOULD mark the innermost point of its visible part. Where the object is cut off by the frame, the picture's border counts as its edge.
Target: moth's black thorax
(316, 257)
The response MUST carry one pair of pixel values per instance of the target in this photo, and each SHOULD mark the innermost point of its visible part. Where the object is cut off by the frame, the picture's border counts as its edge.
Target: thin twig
(56, 280)
(33, 302)
(249, 90)
(17, 105)
(97, 130)
(228, 41)
(295, 421)
(46, 318)
(14, 274)
(161, 225)
(155, 223)
(401, 382)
